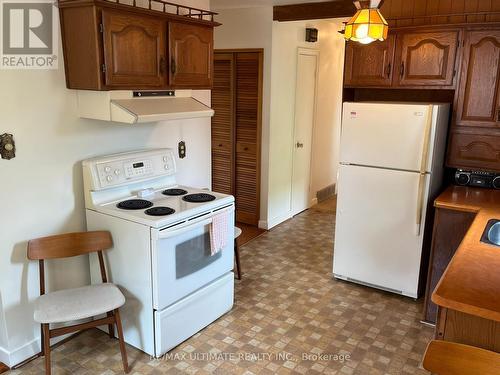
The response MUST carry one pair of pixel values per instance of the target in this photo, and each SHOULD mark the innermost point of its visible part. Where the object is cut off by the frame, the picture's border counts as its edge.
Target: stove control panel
(127, 168)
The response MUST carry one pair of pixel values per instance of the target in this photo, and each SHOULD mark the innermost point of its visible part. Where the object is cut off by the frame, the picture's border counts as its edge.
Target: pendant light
(368, 24)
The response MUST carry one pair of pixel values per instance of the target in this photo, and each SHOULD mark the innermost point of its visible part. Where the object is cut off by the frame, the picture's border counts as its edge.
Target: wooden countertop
(471, 283)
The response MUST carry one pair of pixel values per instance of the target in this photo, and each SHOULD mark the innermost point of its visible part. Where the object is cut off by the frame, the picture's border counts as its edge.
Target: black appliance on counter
(488, 180)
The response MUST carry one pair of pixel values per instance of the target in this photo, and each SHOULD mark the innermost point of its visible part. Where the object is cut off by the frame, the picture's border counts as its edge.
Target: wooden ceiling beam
(311, 11)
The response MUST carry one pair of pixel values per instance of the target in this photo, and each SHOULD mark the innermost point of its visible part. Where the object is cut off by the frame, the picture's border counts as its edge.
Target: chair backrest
(69, 245)
(448, 358)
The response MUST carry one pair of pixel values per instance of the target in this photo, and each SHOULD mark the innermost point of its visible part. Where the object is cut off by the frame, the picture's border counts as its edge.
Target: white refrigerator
(391, 166)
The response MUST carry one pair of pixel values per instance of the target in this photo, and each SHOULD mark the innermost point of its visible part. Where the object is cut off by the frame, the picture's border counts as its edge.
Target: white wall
(252, 28)
(287, 38)
(41, 189)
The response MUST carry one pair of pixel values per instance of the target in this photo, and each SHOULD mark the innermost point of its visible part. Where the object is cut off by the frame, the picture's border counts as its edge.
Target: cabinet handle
(163, 65)
(220, 144)
(498, 114)
(173, 67)
(402, 69)
(389, 70)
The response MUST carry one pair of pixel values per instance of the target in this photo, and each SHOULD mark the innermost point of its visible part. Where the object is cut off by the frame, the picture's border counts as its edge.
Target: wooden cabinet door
(223, 124)
(134, 50)
(478, 96)
(427, 59)
(369, 65)
(191, 55)
(473, 150)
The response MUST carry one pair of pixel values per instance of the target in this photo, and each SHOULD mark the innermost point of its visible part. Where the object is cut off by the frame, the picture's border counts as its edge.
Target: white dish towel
(218, 232)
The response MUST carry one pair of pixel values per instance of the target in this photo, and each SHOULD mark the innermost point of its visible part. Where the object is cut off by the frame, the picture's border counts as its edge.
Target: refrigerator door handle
(420, 203)
(423, 171)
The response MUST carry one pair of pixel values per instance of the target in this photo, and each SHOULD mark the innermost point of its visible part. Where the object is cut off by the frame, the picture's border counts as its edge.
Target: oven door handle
(166, 233)
(189, 226)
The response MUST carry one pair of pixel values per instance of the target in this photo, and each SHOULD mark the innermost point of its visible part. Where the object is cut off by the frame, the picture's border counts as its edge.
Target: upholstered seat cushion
(80, 303)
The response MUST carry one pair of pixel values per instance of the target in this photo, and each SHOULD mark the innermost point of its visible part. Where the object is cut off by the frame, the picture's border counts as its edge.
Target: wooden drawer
(474, 151)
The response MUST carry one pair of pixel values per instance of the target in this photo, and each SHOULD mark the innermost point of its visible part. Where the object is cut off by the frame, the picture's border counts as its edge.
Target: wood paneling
(471, 330)
(236, 130)
(222, 124)
(369, 65)
(427, 58)
(191, 55)
(134, 50)
(450, 228)
(400, 13)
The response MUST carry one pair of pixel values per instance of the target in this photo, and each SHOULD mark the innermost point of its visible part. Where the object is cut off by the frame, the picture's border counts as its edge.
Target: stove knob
(109, 178)
(496, 182)
(167, 167)
(117, 172)
(107, 169)
(165, 159)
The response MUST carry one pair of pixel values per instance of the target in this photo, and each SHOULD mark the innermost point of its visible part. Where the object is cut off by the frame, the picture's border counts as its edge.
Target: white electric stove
(161, 258)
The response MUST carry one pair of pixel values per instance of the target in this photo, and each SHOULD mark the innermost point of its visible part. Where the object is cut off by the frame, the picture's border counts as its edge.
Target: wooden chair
(448, 358)
(80, 303)
(237, 233)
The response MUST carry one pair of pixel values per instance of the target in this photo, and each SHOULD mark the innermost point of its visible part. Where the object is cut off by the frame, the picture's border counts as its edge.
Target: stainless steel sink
(491, 234)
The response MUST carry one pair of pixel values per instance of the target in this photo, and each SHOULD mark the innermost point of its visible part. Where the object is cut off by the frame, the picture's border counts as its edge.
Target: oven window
(193, 255)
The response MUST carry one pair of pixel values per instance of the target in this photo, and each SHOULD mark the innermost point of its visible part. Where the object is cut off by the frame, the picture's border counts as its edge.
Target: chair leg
(46, 347)
(237, 257)
(119, 331)
(111, 327)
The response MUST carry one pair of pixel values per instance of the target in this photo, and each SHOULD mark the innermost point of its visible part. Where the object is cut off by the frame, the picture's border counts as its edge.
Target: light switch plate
(7, 146)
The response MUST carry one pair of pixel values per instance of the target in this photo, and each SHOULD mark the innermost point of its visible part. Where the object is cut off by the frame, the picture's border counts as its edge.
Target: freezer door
(394, 136)
(377, 241)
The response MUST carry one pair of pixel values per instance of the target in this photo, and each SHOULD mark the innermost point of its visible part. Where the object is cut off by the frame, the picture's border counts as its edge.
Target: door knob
(300, 145)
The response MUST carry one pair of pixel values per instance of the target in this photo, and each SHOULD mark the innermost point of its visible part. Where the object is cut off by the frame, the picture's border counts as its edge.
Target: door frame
(260, 52)
(305, 52)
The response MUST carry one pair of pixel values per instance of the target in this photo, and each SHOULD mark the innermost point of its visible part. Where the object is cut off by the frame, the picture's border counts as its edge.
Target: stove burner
(198, 198)
(159, 211)
(134, 204)
(174, 192)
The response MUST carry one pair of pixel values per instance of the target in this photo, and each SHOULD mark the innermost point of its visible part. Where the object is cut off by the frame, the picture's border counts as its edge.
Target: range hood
(136, 107)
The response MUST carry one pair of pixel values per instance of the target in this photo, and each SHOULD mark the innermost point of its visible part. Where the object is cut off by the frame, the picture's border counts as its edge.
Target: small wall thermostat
(7, 146)
(182, 150)
(311, 35)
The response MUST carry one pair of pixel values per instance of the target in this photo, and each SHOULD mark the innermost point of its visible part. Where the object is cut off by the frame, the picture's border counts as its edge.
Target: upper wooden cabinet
(369, 65)
(134, 50)
(191, 55)
(110, 46)
(404, 59)
(478, 95)
(427, 59)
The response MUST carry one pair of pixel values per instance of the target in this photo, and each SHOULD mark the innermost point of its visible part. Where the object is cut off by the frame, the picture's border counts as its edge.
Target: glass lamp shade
(366, 26)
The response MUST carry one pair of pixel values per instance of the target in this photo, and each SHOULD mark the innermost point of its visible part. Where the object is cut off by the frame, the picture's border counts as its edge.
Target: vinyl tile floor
(289, 317)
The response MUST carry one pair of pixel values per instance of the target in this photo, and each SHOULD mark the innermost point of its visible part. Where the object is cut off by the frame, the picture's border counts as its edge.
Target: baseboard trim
(20, 354)
(278, 220)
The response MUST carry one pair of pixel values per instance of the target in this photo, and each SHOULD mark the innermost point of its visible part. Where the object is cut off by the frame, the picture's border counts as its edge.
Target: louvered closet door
(236, 99)
(223, 124)
(247, 120)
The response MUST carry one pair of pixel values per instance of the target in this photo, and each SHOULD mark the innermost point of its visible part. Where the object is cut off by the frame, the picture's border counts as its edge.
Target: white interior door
(305, 109)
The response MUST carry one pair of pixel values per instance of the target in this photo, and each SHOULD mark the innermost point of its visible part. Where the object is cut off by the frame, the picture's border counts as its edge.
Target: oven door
(182, 260)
